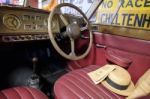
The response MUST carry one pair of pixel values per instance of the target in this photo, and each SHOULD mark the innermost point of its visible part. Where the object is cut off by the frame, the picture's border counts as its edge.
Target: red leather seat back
(22, 93)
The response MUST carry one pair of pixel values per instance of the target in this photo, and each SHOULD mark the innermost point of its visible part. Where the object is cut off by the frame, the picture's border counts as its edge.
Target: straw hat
(119, 81)
(142, 86)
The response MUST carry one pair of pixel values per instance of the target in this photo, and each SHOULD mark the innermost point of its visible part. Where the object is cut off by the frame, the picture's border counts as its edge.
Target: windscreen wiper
(116, 11)
(93, 8)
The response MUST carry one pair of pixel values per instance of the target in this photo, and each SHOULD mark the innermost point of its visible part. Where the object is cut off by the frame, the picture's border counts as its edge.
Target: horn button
(73, 30)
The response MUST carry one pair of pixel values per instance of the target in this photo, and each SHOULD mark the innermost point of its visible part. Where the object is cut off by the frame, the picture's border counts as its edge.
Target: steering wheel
(73, 31)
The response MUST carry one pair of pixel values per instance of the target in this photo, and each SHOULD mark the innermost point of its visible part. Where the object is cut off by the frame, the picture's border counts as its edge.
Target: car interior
(48, 54)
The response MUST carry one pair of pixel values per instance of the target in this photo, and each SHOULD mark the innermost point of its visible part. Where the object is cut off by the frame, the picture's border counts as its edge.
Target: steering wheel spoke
(72, 47)
(64, 20)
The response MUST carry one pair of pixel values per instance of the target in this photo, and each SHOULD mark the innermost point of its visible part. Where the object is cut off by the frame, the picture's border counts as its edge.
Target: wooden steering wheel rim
(52, 39)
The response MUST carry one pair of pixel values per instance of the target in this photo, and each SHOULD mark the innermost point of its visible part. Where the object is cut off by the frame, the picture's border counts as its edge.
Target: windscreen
(12, 2)
(32, 3)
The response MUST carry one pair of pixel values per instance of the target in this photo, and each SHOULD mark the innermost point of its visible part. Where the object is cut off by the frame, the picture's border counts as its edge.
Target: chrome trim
(100, 46)
(84, 37)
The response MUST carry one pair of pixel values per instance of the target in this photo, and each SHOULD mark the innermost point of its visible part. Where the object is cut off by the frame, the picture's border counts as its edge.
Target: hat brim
(125, 92)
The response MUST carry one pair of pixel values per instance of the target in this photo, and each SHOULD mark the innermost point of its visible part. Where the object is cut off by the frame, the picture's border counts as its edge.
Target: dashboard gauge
(11, 22)
(54, 24)
(46, 22)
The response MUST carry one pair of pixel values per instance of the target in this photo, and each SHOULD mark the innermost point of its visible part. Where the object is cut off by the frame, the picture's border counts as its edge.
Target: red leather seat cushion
(77, 85)
(22, 93)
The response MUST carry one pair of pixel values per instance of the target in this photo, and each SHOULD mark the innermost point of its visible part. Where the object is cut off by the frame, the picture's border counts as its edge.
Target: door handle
(84, 37)
(100, 46)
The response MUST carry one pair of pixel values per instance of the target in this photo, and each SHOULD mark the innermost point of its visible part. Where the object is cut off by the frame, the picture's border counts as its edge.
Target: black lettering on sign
(110, 4)
(106, 18)
(104, 4)
(107, 4)
(102, 16)
(130, 19)
(146, 19)
(129, 3)
(137, 4)
(138, 20)
(147, 3)
(124, 18)
(115, 21)
(122, 3)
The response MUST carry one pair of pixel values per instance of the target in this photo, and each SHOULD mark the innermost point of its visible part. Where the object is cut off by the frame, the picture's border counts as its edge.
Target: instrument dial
(46, 22)
(11, 22)
(54, 24)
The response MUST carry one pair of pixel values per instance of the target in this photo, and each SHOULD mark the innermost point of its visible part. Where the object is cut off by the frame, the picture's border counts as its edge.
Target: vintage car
(49, 54)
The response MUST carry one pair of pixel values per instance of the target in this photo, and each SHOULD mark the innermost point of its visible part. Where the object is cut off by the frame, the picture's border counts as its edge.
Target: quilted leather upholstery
(77, 85)
(22, 93)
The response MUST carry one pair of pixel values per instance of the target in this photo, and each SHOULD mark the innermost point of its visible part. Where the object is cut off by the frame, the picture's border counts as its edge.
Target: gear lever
(34, 79)
(34, 61)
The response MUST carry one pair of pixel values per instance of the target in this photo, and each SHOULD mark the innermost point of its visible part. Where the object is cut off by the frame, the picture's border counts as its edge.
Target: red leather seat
(77, 85)
(22, 93)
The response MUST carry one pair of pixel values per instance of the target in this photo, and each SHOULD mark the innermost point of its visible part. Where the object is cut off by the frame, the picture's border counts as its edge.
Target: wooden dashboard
(27, 24)
(23, 24)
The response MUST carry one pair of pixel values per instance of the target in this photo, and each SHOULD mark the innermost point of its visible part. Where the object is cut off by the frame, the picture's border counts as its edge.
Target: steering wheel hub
(73, 30)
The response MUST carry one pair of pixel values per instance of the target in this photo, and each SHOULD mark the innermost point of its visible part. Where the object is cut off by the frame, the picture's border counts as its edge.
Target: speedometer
(11, 21)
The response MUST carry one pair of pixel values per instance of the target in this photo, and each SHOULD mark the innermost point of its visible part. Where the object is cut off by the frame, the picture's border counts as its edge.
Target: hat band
(113, 84)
